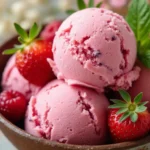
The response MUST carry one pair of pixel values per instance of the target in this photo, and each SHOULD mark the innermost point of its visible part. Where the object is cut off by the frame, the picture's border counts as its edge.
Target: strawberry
(12, 105)
(31, 56)
(49, 31)
(128, 120)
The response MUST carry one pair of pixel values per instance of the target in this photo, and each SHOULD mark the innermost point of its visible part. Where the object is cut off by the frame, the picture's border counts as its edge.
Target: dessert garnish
(31, 56)
(12, 105)
(138, 18)
(128, 119)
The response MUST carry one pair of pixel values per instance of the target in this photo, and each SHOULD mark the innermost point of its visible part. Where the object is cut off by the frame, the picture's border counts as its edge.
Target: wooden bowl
(25, 141)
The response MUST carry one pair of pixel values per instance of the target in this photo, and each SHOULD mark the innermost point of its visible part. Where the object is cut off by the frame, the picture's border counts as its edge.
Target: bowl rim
(23, 133)
(116, 146)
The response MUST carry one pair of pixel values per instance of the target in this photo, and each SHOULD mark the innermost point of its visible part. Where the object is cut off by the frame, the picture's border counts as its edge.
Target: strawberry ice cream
(118, 3)
(142, 85)
(49, 31)
(13, 80)
(95, 48)
(76, 115)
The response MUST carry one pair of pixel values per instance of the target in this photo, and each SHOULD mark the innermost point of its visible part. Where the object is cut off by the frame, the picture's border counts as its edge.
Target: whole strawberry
(49, 31)
(12, 105)
(128, 120)
(31, 56)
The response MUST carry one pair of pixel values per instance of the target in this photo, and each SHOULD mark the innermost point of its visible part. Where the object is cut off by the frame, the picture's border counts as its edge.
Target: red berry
(32, 62)
(32, 55)
(127, 130)
(12, 105)
(49, 31)
(128, 119)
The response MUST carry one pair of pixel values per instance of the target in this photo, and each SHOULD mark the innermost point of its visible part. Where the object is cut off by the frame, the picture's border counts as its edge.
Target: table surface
(5, 144)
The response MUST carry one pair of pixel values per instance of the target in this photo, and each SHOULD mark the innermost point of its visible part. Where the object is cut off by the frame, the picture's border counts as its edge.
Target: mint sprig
(138, 18)
(127, 107)
(24, 38)
(82, 5)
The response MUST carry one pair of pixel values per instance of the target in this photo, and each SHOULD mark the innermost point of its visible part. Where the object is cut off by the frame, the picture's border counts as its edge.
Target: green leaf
(125, 95)
(99, 4)
(138, 19)
(34, 31)
(143, 103)
(10, 51)
(134, 117)
(121, 110)
(117, 101)
(21, 40)
(124, 116)
(117, 106)
(23, 34)
(81, 4)
(138, 98)
(141, 108)
(145, 57)
(91, 3)
(70, 11)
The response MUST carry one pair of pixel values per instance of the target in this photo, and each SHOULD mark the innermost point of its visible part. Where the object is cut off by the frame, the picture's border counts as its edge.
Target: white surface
(5, 144)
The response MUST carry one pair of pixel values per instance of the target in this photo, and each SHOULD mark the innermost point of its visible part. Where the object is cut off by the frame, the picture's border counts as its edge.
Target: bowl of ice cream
(24, 141)
(70, 111)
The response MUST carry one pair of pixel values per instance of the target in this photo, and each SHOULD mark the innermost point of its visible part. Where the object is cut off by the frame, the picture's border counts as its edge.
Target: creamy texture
(142, 85)
(118, 3)
(68, 114)
(13, 80)
(95, 47)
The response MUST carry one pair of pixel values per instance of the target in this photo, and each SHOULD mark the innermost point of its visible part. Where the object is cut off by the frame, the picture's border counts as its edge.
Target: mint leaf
(81, 4)
(145, 57)
(34, 31)
(125, 95)
(70, 11)
(138, 18)
(23, 34)
(99, 5)
(91, 3)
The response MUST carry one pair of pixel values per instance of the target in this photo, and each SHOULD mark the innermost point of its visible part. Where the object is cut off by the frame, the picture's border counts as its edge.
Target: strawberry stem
(24, 38)
(127, 107)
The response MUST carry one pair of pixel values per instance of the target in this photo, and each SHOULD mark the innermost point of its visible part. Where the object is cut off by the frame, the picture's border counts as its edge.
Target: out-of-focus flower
(18, 8)
(66, 4)
(2, 5)
(32, 15)
(36, 2)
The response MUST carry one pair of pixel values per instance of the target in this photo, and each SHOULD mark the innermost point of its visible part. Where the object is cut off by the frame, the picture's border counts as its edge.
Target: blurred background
(26, 12)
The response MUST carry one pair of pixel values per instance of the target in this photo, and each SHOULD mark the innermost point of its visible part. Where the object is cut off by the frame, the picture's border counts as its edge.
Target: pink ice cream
(12, 79)
(118, 3)
(68, 114)
(142, 85)
(95, 48)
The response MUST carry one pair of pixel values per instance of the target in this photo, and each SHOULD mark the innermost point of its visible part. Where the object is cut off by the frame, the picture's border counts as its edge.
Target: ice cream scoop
(95, 48)
(68, 114)
(13, 80)
(142, 85)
